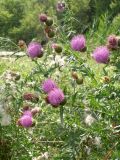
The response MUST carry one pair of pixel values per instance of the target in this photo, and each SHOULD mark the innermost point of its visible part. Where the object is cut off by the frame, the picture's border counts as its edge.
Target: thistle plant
(67, 106)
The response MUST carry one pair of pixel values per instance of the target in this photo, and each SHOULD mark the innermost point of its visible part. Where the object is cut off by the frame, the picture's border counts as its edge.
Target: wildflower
(43, 17)
(35, 50)
(78, 43)
(89, 119)
(31, 97)
(26, 121)
(101, 54)
(60, 6)
(48, 85)
(56, 97)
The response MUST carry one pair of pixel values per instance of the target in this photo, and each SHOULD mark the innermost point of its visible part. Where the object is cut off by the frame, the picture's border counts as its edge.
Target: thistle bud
(31, 97)
(58, 49)
(74, 75)
(105, 79)
(79, 81)
(47, 29)
(51, 34)
(49, 21)
(22, 44)
(43, 17)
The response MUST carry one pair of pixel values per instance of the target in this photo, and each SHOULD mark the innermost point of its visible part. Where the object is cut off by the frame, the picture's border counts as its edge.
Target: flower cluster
(55, 95)
(48, 22)
(26, 120)
(76, 78)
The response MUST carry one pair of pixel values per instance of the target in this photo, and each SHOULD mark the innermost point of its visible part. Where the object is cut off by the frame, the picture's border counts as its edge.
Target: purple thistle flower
(112, 40)
(60, 6)
(43, 17)
(26, 121)
(48, 85)
(35, 50)
(78, 43)
(101, 54)
(56, 97)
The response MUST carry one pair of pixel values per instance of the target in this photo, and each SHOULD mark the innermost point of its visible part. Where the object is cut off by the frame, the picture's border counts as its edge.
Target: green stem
(104, 70)
(61, 115)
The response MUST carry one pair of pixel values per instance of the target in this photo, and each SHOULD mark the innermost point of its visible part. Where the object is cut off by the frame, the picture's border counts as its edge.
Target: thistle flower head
(35, 50)
(112, 40)
(101, 54)
(56, 97)
(43, 17)
(48, 85)
(78, 43)
(60, 6)
(25, 121)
